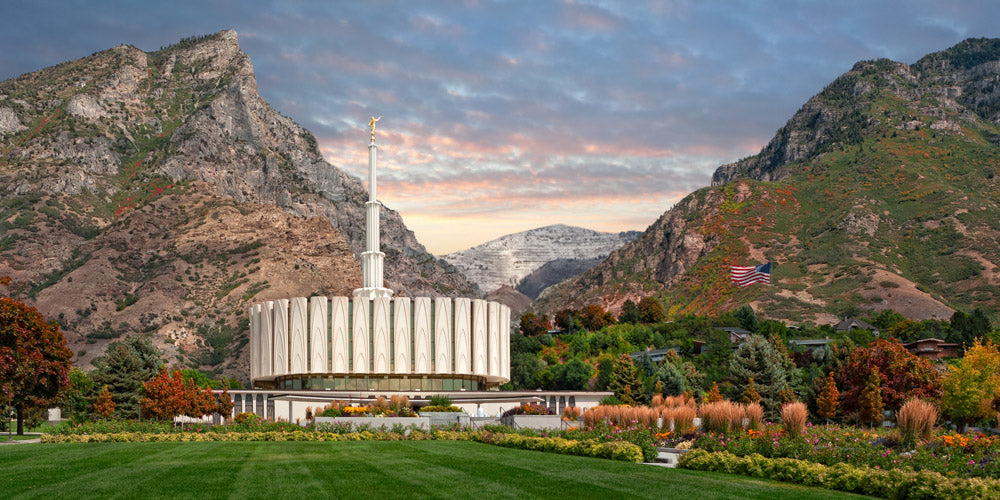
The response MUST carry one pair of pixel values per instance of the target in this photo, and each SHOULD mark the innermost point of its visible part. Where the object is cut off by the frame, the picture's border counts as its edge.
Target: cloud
(501, 114)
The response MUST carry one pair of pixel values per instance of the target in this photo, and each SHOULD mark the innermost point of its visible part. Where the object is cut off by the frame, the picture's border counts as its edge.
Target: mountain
(553, 272)
(880, 192)
(509, 259)
(158, 192)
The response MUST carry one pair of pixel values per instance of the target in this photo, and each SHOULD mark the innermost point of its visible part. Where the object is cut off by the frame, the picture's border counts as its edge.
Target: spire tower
(371, 259)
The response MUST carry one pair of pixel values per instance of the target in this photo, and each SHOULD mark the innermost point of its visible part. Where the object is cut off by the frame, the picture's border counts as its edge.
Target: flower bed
(958, 455)
(897, 483)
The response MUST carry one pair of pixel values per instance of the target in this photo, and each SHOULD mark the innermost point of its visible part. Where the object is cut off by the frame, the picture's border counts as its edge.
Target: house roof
(853, 324)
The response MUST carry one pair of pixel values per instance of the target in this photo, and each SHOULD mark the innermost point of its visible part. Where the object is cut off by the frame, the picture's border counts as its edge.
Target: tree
(750, 394)
(104, 406)
(34, 359)
(78, 399)
(624, 380)
(870, 404)
(671, 379)
(169, 395)
(903, 375)
(885, 319)
(651, 311)
(124, 367)
(713, 394)
(574, 375)
(965, 328)
(969, 387)
(756, 358)
(568, 320)
(533, 325)
(523, 368)
(225, 402)
(827, 400)
(630, 313)
(594, 317)
(747, 318)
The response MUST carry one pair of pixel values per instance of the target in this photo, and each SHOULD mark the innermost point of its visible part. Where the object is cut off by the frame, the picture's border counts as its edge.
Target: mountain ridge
(880, 192)
(510, 258)
(91, 147)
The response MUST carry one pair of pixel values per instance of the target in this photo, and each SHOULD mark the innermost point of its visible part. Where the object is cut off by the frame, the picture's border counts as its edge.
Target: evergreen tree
(747, 318)
(750, 394)
(574, 375)
(870, 405)
(671, 379)
(124, 368)
(630, 313)
(624, 380)
(757, 358)
(827, 400)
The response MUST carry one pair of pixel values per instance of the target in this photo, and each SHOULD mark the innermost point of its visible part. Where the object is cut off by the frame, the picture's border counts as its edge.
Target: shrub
(845, 477)
(610, 401)
(793, 418)
(438, 408)
(439, 400)
(246, 418)
(916, 419)
(528, 409)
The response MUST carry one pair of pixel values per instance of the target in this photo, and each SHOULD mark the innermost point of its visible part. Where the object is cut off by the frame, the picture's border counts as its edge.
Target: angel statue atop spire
(372, 125)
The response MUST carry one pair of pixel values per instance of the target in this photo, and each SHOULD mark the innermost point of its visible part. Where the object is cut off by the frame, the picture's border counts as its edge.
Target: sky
(503, 116)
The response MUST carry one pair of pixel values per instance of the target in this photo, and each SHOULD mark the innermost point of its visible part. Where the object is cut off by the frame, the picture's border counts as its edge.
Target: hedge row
(894, 483)
(614, 450)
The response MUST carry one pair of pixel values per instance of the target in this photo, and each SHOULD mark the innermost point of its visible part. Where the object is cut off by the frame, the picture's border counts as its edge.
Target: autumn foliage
(104, 406)
(826, 402)
(903, 375)
(34, 360)
(169, 395)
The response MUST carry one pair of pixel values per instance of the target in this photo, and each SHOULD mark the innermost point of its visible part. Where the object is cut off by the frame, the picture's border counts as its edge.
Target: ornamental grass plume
(680, 419)
(755, 415)
(793, 418)
(916, 419)
(721, 416)
(657, 401)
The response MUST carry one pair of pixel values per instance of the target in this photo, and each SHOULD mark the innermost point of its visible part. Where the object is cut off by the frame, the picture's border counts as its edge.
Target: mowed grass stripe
(395, 469)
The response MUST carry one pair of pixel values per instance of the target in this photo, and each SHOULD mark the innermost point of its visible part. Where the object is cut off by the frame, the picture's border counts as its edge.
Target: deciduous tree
(870, 405)
(826, 402)
(34, 360)
(104, 406)
(651, 311)
(969, 387)
(169, 395)
(903, 375)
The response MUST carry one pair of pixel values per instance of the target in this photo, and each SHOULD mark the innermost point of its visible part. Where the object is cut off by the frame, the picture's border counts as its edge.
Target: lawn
(393, 469)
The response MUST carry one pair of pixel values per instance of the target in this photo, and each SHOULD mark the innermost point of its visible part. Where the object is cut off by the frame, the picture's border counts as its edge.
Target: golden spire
(372, 125)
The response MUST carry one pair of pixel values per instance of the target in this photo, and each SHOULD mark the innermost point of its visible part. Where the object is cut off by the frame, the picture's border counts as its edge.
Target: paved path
(3, 438)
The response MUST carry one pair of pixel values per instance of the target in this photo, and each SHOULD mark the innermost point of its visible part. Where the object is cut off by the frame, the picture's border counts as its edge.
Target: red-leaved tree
(903, 375)
(169, 395)
(34, 360)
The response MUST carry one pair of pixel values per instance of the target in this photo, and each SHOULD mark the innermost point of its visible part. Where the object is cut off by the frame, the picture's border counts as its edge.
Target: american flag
(747, 275)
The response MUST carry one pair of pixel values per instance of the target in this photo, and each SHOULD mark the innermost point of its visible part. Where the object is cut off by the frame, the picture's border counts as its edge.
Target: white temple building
(310, 351)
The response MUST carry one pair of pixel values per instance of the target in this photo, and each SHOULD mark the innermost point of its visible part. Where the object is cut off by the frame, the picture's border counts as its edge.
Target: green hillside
(891, 203)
